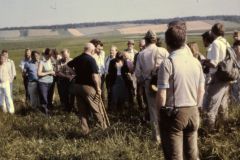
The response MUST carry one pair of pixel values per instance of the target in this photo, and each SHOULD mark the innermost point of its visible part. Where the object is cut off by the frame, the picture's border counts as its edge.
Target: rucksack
(228, 69)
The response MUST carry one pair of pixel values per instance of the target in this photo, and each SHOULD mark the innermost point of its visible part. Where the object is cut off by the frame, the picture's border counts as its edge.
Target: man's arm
(161, 98)
(201, 91)
(97, 82)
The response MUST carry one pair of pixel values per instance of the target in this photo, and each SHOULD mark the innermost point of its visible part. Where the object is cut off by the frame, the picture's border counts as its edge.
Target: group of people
(173, 83)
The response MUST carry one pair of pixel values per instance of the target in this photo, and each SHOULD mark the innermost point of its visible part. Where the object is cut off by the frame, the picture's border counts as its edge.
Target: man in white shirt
(216, 98)
(11, 69)
(148, 62)
(99, 57)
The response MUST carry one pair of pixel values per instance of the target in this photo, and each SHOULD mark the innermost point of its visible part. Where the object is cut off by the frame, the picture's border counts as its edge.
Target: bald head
(89, 48)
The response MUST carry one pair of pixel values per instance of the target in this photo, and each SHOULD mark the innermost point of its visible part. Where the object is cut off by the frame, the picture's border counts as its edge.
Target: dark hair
(34, 52)
(47, 52)
(96, 42)
(218, 29)
(175, 37)
(236, 43)
(4, 51)
(179, 23)
(119, 56)
(207, 36)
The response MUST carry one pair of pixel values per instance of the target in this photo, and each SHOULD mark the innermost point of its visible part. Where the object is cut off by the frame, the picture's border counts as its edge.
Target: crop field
(30, 135)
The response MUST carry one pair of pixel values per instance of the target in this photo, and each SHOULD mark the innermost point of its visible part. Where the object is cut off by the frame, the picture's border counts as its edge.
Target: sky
(15, 13)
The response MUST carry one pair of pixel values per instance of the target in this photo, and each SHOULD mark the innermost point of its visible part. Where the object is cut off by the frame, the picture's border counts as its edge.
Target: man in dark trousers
(88, 87)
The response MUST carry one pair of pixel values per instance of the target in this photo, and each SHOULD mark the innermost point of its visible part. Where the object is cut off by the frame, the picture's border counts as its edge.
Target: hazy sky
(47, 12)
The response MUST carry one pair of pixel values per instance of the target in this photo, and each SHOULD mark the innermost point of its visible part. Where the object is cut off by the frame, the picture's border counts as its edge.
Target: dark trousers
(179, 134)
(108, 91)
(25, 83)
(66, 99)
(45, 94)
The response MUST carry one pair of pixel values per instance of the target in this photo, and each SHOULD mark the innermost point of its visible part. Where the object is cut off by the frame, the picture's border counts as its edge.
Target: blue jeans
(45, 94)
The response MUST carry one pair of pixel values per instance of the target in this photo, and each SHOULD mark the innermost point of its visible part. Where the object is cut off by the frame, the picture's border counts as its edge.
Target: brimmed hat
(151, 35)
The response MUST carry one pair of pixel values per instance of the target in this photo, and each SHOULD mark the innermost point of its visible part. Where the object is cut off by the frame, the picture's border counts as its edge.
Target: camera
(170, 112)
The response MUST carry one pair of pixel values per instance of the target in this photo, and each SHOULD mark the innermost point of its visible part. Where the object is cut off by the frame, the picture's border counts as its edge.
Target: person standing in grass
(11, 69)
(6, 101)
(216, 98)
(63, 81)
(180, 92)
(147, 65)
(111, 56)
(99, 57)
(88, 87)
(30, 71)
(27, 58)
(118, 82)
(45, 74)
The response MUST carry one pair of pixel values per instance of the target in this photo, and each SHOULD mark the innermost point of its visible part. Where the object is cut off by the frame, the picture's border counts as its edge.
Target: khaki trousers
(179, 134)
(151, 100)
(87, 102)
(216, 101)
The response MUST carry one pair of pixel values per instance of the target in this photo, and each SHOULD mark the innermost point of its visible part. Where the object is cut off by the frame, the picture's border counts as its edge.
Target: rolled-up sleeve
(164, 74)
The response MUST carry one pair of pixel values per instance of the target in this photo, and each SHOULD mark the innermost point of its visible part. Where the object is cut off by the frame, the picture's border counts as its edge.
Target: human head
(119, 56)
(130, 44)
(97, 44)
(55, 53)
(217, 30)
(179, 23)
(5, 53)
(236, 47)
(65, 53)
(194, 48)
(89, 48)
(113, 51)
(125, 55)
(175, 37)
(27, 53)
(142, 44)
(150, 37)
(207, 38)
(236, 35)
(2, 59)
(35, 56)
(47, 53)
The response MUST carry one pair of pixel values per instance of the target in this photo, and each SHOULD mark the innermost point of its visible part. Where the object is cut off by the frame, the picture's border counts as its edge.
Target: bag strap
(173, 88)
(233, 56)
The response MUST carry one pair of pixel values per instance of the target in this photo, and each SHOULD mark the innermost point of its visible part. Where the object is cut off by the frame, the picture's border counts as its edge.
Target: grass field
(30, 135)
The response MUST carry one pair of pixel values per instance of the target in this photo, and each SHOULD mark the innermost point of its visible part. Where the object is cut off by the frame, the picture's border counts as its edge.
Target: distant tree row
(232, 18)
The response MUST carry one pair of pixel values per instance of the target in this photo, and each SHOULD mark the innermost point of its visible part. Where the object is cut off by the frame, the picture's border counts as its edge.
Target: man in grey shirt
(180, 92)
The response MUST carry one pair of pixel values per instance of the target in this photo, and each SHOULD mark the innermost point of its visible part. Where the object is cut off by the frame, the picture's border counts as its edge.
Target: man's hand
(99, 91)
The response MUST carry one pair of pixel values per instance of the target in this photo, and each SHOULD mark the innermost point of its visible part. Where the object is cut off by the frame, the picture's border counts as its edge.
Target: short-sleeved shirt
(100, 62)
(187, 78)
(61, 67)
(84, 66)
(22, 64)
(31, 69)
(47, 67)
(11, 69)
